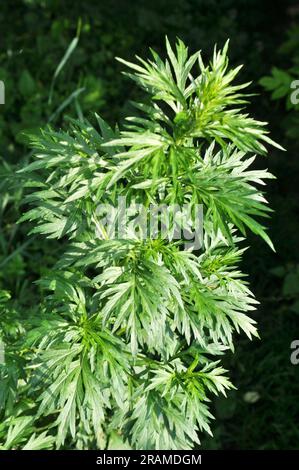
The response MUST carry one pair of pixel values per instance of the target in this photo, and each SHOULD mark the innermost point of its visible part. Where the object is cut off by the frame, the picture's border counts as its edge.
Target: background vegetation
(35, 35)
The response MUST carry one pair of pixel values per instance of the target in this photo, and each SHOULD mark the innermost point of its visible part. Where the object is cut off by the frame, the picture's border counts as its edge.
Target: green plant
(283, 82)
(128, 338)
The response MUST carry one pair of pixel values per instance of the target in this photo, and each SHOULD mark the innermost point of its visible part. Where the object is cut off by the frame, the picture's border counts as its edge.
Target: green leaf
(26, 84)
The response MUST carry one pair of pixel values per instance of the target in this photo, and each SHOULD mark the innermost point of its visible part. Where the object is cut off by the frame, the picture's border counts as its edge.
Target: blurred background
(57, 59)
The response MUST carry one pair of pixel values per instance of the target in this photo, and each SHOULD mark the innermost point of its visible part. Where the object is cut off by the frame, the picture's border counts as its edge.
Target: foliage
(131, 330)
(35, 36)
(283, 82)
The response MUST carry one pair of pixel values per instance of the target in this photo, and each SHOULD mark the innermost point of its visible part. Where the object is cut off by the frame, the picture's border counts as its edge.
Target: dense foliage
(128, 338)
(262, 371)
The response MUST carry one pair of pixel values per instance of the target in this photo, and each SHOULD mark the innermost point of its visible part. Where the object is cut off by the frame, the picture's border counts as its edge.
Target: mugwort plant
(130, 334)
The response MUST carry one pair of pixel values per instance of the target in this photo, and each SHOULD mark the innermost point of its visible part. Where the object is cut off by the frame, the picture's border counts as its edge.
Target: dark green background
(34, 37)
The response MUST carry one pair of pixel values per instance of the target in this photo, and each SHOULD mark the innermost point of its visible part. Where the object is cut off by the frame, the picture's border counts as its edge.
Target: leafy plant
(128, 337)
(283, 82)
